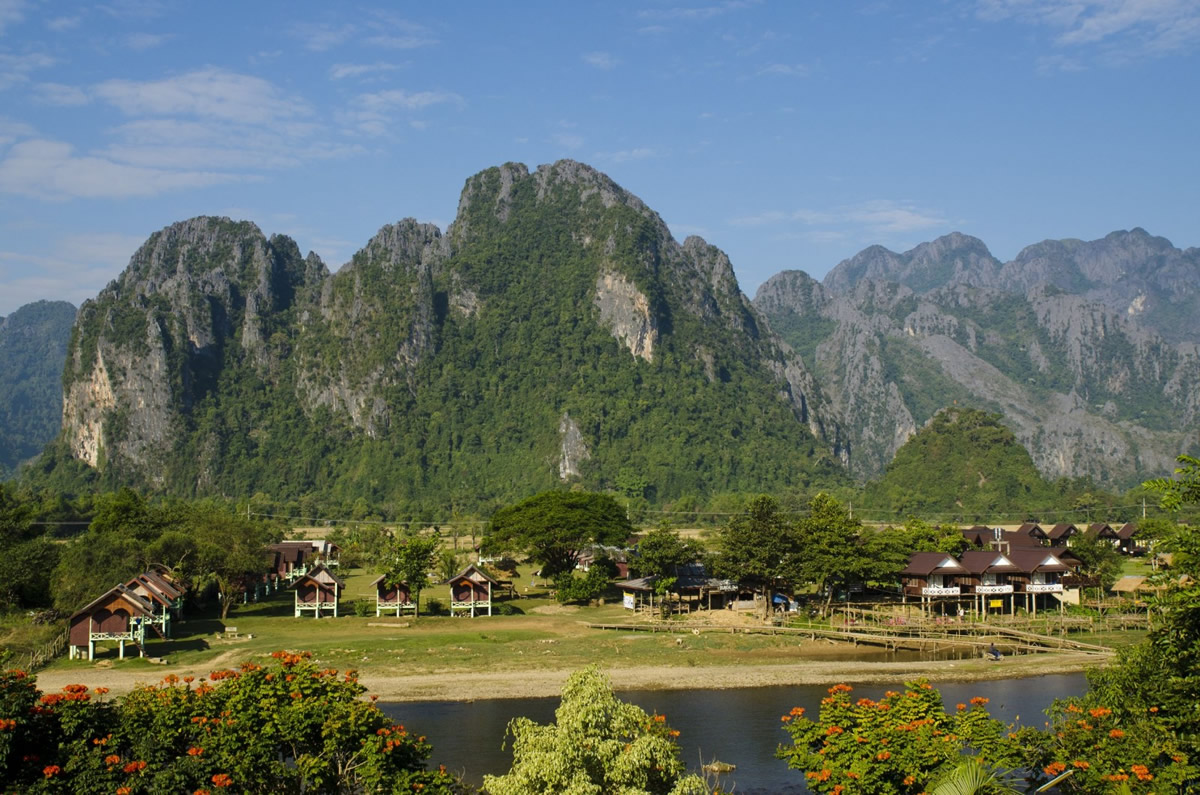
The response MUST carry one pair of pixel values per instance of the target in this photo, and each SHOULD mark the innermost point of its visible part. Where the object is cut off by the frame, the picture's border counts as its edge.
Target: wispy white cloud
(60, 94)
(374, 114)
(47, 169)
(392, 41)
(11, 131)
(76, 269)
(15, 69)
(625, 155)
(319, 37)
(785, 70)
(879, 216)
(1049, 64)
(1138, 26)
(60, 24)
(146, 41)
(700, 12)
(340, 71)
(567, 140)
(11, 12)
(208, 93)
(600, 60)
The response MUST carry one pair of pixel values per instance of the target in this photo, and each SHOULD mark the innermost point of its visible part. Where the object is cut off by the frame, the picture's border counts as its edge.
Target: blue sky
(790, 134)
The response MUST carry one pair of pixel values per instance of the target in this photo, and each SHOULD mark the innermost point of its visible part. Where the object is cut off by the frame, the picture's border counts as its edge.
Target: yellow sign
(996, 603)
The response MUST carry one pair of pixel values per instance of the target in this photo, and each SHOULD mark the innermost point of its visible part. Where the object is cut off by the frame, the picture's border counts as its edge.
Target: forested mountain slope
(556, 333)
(33, 347)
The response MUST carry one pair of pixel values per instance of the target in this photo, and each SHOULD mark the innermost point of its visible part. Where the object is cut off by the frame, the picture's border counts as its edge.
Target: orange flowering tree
(1108, 750)
(898, 744)
(280, 728)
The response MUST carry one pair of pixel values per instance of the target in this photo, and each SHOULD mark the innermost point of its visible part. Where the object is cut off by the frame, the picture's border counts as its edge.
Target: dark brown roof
(321, 574)
(1031, 560)
(1101, 530)
(168, 587)
(137, 603)
(926, 563)
(465, 572)
(1061, 531)
(1032, 529)
(983, 561)
(1127, 531)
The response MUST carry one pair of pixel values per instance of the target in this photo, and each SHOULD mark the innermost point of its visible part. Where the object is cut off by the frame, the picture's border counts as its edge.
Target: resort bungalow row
(1028, 577)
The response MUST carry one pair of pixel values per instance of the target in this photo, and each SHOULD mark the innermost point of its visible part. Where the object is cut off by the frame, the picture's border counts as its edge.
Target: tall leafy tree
(758, 548)
(409, 562)
(553, 527)
(230, 551)
(661, 552)
(834, 553)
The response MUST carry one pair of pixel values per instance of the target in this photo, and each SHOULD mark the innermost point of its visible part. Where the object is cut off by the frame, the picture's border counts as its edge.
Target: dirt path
(538, 683)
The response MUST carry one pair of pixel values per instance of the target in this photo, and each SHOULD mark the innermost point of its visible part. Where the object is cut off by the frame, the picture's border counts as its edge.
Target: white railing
(993, 589)
(1043, 587)
(941, 590)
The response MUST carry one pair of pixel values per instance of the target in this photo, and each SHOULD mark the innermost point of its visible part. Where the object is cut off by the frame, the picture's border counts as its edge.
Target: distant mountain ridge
(1079, 345)
(33, 347)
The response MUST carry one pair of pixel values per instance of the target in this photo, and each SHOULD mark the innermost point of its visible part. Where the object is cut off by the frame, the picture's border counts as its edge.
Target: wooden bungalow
(1104, 532)
(618, 555)
(162, 597)
(292, 559)
(471, 591)
(988, 579)
(693, 588)
(1060, 534)
(392, 596)
(118, 615)
(1040, 574)
(1127, 538)
(316, 590)
(932, 576)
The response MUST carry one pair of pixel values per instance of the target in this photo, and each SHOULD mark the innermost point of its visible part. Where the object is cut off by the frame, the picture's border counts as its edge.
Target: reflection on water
(739, 726)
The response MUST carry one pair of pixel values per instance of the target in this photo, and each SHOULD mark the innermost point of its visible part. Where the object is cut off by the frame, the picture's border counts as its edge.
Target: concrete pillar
(91, 649)
(121, 649)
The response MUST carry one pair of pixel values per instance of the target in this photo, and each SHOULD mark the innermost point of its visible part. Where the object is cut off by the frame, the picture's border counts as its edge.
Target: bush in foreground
(287, 727)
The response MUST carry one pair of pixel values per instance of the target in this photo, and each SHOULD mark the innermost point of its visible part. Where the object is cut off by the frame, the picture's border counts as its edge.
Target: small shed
(316, 590)
(1127, 538)
(118, 614)
(1104, 532)
(471, 591)
(392, 596)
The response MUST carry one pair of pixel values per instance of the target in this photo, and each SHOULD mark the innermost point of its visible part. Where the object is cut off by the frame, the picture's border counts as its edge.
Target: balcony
(941, 590)
(993, 589)
(1043, 587)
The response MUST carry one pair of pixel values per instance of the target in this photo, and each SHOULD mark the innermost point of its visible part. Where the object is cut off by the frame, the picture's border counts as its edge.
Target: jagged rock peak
(790, 291)
(952, 258)
(404, 243)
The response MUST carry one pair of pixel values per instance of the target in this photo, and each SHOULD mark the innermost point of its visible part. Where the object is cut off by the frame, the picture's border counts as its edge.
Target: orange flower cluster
(883, 756)
(960, 706)
(840, 689)
(222, 780)
(1054, 768)
(201, 792)
(249, 667)
(1116, 734)
(194, 751)
(822, 775)
(102, 740)
(909, 780)
(1142, 772)
(1099, 712)
(100, 690)
(112, 759)
(1082, 765)
(54, 699)
(135, 767)
(7, 724)
(124, 790)
(217, 676)
(50, 771)
(980, 701)
(834, 730)
(287, 659)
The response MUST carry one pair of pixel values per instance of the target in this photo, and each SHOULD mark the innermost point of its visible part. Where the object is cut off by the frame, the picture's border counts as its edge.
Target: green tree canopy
(660, 551)
(598, 744)
(409, 561)
(758, 548)
(553, 527)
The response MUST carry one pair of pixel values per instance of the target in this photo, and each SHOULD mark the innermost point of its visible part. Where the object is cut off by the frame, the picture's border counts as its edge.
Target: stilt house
(471, 591)
(317, 590)
(392, 596)
(118, 615)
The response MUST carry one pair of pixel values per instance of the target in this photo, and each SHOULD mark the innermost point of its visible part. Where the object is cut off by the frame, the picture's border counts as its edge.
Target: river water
(738, 726)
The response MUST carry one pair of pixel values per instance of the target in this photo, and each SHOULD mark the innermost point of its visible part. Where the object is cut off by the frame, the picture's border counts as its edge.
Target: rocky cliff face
(555, 332)
(1088, 387)
(198, 298)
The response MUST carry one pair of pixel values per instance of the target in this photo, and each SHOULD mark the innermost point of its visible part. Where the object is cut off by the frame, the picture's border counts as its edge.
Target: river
(738, 726)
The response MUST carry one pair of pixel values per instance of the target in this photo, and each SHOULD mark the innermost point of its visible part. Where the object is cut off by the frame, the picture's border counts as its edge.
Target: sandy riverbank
(473, 686)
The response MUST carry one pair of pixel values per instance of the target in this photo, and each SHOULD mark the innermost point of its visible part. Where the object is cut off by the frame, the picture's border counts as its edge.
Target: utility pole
(1143, 507)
